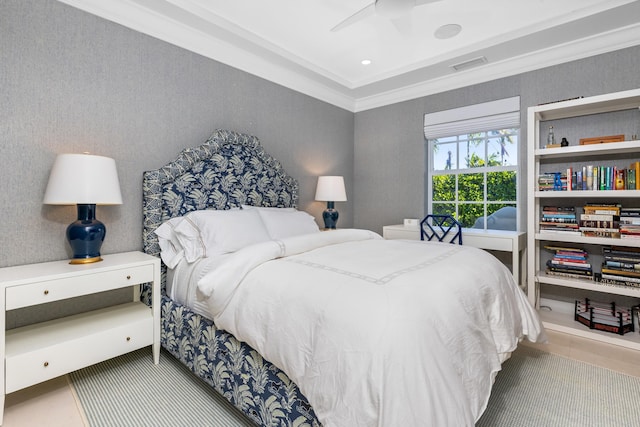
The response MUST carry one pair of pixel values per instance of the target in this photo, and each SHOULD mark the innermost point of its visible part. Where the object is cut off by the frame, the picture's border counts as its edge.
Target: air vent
(470, 63)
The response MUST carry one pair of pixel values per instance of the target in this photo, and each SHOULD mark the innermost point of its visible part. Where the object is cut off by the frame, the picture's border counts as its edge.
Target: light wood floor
(53, 404)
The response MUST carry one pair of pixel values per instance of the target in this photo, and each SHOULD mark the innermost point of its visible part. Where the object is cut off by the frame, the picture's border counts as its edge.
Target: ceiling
(291, 42)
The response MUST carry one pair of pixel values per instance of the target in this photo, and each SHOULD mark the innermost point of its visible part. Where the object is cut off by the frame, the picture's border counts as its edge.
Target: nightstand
(39, 352)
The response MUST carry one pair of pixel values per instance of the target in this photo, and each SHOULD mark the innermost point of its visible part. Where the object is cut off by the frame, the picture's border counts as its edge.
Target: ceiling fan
(392, 9)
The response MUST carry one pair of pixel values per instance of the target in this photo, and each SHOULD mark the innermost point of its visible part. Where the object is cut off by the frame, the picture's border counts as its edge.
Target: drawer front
(491, 243)
(410, 234)
(82, 284)
(50, 362)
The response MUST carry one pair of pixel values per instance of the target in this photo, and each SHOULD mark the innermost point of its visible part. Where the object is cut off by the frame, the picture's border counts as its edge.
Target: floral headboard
(228, 170)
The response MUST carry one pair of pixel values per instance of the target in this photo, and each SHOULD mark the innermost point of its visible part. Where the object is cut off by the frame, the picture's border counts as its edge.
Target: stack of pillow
(207, 233)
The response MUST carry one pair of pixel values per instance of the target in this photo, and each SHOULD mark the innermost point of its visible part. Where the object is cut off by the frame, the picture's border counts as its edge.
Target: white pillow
(210, 232)
(281, 223)
(171, 251)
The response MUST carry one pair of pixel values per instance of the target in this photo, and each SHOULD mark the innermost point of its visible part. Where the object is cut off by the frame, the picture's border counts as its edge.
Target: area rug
(534, 389)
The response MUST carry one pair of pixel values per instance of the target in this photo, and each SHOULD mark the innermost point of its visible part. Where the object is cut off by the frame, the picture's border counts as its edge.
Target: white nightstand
(39, 352)
(514, 242)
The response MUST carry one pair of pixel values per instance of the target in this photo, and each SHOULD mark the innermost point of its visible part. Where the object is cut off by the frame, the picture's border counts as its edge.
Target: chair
(444, 228)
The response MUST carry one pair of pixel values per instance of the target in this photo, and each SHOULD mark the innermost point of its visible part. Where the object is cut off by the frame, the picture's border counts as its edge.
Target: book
(564, 249)
(617, 282)
(603, 234)
(599, 225)
(631, 179)
(558, 216)
(567, 274)
(570, 263)
(599, 217)
(602, 210)
(620, 272)
(601, 229)
(621, 251)
(558, 209)
(572, 268)
(620, 264)
(568, 257)
(616, 277)
(629, 220)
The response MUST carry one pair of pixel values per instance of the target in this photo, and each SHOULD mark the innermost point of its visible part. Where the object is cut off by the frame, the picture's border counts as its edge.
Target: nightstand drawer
(39, 353)
(83, 284)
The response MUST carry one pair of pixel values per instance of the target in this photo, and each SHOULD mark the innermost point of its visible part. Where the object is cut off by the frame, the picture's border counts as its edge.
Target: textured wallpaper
(71, 82)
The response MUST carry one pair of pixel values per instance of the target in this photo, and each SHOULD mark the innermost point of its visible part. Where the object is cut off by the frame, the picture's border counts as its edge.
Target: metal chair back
(442, 228)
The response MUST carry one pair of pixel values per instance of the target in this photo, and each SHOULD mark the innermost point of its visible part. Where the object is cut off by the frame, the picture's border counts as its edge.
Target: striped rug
(130, 391)
(534, 389)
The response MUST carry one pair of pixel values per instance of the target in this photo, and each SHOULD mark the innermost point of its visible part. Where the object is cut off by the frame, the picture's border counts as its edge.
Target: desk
(495, 240)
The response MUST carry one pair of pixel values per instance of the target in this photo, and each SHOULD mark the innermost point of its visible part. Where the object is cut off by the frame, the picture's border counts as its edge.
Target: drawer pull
(46, 364)
(128, 277)
(128, 339)
(46, 291)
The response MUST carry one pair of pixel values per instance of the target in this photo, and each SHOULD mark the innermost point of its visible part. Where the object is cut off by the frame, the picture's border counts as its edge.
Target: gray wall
(72, 82)
(389, 145)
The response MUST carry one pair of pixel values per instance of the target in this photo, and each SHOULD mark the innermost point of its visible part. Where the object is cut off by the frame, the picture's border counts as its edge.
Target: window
(473, 164)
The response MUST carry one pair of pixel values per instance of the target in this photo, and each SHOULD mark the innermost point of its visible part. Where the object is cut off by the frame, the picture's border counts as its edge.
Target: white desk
(495, 240)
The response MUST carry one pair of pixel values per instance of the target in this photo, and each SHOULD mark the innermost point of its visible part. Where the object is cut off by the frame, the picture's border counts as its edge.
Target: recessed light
(366, 62)
(447, 31)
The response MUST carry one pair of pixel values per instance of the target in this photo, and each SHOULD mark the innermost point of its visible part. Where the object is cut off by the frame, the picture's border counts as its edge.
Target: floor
(53, 404)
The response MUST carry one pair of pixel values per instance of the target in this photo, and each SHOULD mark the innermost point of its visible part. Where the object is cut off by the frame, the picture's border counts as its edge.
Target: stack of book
(630, 223)
(553, 181)
(621, 266)
(569, 262)
(559, 219)
(600, 220)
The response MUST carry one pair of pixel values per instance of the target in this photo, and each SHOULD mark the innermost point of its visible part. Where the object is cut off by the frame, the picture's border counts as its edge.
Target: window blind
(500, 114)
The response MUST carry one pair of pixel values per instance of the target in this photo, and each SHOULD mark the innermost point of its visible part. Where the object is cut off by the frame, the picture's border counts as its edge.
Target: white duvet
(375, 332)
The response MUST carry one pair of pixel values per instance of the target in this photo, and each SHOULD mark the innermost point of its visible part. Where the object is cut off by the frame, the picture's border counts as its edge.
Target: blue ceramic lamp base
(330, 216)
(85, 236)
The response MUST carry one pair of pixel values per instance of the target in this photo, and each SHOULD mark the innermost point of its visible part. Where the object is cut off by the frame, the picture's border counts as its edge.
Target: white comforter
(375, 332)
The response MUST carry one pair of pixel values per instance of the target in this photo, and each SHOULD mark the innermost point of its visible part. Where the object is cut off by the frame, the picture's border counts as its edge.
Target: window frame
(463, 122)
(458, 171)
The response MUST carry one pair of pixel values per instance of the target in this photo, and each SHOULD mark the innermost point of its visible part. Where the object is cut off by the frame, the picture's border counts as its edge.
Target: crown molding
(223, 46)
(580, 49)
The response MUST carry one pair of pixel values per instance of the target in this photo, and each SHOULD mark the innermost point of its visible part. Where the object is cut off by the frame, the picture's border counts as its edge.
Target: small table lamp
(84, 180)
(330, 189)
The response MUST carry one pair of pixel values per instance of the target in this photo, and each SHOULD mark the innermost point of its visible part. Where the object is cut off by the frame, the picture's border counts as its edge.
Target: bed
(343, 316)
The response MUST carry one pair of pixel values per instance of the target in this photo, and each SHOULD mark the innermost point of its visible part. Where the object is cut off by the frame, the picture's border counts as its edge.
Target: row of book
(591, 177)
(620, 266)
(597, 220)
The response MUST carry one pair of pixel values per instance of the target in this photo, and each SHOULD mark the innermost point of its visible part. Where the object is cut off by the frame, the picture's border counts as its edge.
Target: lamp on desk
(86, 181)
(330, 189)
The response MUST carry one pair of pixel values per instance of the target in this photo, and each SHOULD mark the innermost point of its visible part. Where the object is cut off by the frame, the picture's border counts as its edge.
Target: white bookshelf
(558, 314)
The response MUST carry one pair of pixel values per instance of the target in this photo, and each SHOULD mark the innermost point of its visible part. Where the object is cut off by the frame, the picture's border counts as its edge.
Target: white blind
(500, 114)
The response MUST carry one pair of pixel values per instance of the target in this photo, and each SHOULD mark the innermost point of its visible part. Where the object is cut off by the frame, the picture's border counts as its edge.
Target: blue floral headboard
(228, 170)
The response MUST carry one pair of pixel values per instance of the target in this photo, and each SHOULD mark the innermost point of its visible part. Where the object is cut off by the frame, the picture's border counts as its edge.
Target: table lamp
(86, 181)
(330, 189)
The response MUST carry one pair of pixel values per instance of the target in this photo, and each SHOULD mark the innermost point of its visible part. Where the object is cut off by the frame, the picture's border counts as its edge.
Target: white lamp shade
(331, 189)
(83, 179)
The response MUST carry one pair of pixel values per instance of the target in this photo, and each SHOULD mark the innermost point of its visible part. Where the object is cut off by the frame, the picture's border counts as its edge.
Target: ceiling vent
(470, 63)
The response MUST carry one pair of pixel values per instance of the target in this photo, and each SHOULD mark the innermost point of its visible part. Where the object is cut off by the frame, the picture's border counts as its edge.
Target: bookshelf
(608, 114)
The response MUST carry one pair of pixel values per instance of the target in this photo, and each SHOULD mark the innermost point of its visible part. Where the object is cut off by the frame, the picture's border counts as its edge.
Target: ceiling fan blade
(361, 14)
(421, 2)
